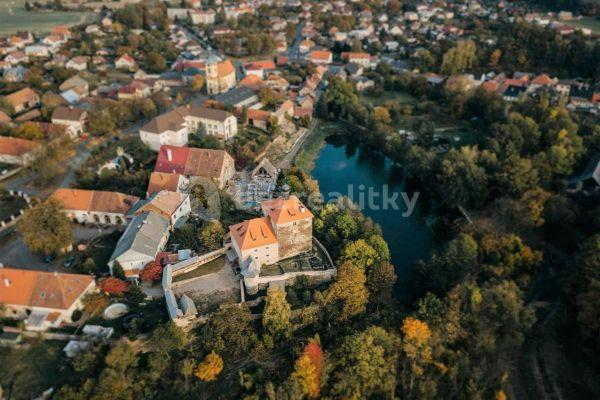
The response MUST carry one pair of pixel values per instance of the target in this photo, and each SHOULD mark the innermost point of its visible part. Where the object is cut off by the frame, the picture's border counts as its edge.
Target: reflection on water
(341, 165)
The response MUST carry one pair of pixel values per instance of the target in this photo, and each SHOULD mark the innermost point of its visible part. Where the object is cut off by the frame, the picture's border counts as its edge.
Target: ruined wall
(294, 238)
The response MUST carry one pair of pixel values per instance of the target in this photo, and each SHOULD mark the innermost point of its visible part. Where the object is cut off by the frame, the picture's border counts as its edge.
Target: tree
(45, 228)
(95, 303)
(168, 338)
(152, 272)
(29, 131)
(347, 297)
(380, 281)
(269, 97)
(382, 115)
(211, 235)
(229, 331)
(198, 82)
(308, 369)
(210, 367)
(134, 294)
(118, 271)
(495, 57)
(359, 253)
(155, 62)
(365, 365)
(459, 58)
(460, 179)
(112, 285)
(277, 314)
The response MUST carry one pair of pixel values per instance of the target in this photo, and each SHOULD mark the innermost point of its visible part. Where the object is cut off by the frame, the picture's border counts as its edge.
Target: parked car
(68, 263)
(49, 258)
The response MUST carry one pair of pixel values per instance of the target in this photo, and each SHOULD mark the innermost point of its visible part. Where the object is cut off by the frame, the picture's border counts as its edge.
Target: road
(288, 159)
(293, 52)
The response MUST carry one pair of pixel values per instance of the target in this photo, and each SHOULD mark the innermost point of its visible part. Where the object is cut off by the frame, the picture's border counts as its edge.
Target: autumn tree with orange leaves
(308, 369)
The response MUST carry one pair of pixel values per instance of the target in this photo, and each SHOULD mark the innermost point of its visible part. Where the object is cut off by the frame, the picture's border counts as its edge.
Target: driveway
(14, 253)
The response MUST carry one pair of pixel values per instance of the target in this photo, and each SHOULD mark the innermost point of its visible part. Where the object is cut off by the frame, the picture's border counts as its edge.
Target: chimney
(302, 209)
(6, 282)
(169, 154)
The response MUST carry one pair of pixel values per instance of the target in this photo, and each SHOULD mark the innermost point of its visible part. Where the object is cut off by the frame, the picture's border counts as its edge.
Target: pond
(345, 168)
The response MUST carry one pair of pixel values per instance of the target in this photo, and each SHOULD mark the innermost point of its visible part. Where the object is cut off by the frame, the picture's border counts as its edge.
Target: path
(286, 161)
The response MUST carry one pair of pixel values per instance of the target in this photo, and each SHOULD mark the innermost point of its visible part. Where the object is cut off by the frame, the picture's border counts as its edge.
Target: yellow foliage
(416, 330)
(500, 395)
(305, 373)
(210, 368)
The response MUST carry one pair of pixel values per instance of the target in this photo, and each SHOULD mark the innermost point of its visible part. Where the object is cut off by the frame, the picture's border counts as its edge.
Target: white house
(96, 206)
(171, 205)
(146, 235)
(173, 127)
(71, 118)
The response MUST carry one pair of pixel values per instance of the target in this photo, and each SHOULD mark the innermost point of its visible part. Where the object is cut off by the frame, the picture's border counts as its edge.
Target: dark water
(343, 167)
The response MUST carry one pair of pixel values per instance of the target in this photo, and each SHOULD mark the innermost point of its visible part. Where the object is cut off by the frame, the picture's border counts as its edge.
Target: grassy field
(209, 268)
(587, 22)
(14, 17)
(400, 97)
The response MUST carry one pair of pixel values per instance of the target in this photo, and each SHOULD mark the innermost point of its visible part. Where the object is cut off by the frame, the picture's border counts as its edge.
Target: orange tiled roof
(253, 233)
(262, 64)
(251, 80)
(15, 146)
(282, 211)
(350, 55)
(164, 203)
(22, 96)
(94, 200)
(163, 181)
(41, 289)
(260, 115)
(320, 55)
(225, 68)
(542, 80)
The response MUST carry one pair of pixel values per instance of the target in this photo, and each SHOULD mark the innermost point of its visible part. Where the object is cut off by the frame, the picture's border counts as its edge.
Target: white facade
(263, 255)
(173, 138)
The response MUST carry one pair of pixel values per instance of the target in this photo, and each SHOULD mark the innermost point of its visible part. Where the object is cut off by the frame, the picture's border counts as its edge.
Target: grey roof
(235, 96)
(143, 235)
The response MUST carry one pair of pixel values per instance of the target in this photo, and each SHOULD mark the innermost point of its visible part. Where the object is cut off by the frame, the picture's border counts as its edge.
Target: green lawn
(400, 97)
(27, 371)
(209, 268)
(14, 17)
(586, 22)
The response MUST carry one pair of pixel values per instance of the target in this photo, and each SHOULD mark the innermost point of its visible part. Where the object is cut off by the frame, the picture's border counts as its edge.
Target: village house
(203, 17)
(78, 63)
(125, 62)
(42, 299)
(321, 57)
(95, 206)
(173, 127)
(17, 151)
(362, 59)
(238, 97)
(135, 90)
(216, 165)
(144, 238)
(23, 100)
(220, 75)
(166, 181)
(171, 205)
(73, 119)
(77, 84)
(17, 57)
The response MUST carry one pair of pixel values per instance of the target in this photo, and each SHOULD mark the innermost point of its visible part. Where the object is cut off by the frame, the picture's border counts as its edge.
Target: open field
(14, 17)
(396, 96)
(586, 22)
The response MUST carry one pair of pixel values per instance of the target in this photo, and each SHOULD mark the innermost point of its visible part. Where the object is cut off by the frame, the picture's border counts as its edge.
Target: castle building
(284, 231)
